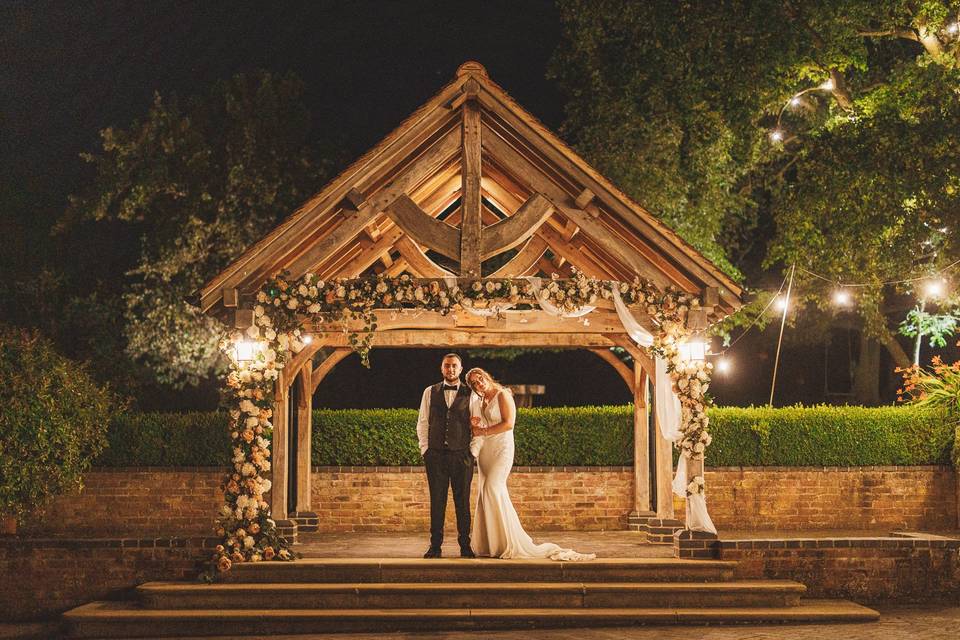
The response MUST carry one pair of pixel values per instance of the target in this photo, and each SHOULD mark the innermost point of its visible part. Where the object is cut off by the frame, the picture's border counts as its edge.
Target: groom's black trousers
(449, 469)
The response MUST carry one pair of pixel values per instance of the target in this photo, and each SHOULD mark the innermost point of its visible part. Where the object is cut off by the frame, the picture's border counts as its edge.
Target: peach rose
(255, 528)
(236, 556)
(224, 564)
(268, 553)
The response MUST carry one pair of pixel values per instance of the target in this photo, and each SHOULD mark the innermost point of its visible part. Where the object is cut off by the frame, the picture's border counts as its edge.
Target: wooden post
(304, 437)
(641, 442)
(471, 224)
(278, 490)
(664, 457)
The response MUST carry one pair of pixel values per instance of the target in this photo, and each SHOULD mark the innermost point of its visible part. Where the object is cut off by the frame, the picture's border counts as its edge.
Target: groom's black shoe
(467, 552)
(432, 552)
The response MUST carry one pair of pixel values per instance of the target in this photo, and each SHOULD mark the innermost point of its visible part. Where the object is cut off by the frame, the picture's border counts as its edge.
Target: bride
(497, 531)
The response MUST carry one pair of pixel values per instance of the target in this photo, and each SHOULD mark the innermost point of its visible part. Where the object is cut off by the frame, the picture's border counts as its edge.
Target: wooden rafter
(430, 232)
(568, 252)
(371, 253)
(527, 258)
(512, 231)
(418, 261)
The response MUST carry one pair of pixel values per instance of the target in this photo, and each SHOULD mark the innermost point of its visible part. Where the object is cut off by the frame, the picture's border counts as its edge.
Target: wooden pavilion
(470, 186)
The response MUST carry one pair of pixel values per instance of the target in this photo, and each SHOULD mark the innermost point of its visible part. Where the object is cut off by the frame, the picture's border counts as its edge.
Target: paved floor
(606, 544)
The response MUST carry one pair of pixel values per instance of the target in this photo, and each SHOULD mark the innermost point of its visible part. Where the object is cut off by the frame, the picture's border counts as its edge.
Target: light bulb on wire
(953, 28)
(827, 85)
(841, 297)
(782, 304)
(934, 288)
(723, 365)
(776, 135)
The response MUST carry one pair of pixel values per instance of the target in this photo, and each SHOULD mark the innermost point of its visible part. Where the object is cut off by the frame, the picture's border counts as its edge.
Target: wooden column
(471, 223)
(641, 443)
(304, 436)
(278, 457)
(664, 457)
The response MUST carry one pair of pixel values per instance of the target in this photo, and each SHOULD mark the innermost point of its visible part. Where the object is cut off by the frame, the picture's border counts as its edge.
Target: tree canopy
(820, 134)
(197, 181)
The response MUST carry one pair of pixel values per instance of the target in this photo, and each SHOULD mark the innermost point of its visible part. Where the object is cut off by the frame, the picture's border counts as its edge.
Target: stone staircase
(355, 594)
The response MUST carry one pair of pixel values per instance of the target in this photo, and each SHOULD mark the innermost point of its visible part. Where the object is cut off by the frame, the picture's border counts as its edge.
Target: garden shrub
(568, 436)
(53, 422)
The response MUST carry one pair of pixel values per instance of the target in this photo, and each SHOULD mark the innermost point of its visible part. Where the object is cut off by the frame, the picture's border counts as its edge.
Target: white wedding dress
(497, 531)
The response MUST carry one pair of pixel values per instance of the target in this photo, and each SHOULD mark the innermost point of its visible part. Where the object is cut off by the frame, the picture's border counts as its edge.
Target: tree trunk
(866, 378)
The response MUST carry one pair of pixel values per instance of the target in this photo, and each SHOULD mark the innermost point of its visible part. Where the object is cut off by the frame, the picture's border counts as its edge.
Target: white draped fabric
(668, 412)
(552, 309)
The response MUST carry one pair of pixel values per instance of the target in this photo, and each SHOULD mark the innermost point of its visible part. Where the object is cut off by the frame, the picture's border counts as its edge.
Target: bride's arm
(508, 411)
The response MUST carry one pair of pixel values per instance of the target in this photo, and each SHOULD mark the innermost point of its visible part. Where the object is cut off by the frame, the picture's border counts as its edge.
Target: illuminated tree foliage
(198, 181)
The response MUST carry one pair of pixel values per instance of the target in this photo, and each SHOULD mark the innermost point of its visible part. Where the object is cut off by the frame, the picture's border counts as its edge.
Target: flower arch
(261, 351)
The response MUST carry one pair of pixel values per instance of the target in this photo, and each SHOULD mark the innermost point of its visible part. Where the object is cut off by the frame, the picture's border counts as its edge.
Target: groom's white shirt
(423, 420)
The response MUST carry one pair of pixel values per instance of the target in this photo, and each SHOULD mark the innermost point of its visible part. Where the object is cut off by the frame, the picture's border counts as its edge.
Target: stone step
(539, 595)
(340, 570)
(126, 620)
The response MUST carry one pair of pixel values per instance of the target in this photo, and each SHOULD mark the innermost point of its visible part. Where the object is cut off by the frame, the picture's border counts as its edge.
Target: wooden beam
(526, 258)
(435, 156)
(641, 443)
(511, 231)
(231, 298)
(572, 255)
(519, 165)
(398, 267)
(623, 341)
(418, 260)
(427, 231)
(531, 321)
(584, 198)
(619, 366)
(557, 153)
(370, 254)
(304, 438)
(471, 227)
(429, 339)
(354, 200)
(550, 267)
(321, 370)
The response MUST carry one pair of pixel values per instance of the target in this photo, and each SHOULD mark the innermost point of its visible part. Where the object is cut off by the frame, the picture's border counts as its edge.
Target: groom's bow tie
(450, 387)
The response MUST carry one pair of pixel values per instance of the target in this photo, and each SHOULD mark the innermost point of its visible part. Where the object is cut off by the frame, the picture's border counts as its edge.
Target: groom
(443, 429)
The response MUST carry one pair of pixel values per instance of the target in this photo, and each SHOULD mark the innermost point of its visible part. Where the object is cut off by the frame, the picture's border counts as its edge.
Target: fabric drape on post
(668, 412)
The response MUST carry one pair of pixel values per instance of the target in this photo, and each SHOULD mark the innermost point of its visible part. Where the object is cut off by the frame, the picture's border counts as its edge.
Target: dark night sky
(71, 69)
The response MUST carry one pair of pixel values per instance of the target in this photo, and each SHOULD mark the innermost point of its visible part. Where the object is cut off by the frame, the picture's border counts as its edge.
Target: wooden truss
(470, 186)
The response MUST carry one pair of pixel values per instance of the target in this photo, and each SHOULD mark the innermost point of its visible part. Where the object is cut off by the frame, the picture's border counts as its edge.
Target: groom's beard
(453, 380)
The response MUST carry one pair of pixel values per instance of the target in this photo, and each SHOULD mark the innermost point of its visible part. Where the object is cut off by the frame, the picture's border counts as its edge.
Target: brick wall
(862, 569)
(832, 498)
(183, 502)
(67, 573)
(397, 498)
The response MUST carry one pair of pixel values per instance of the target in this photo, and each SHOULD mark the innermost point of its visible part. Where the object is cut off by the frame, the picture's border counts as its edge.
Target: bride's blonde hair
(477, 371)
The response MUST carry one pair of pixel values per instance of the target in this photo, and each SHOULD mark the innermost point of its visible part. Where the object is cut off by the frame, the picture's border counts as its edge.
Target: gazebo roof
(472, 185)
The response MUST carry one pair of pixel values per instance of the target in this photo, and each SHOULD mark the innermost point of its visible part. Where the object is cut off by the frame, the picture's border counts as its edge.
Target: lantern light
(245, 350)
(694, 350)
(307, 339)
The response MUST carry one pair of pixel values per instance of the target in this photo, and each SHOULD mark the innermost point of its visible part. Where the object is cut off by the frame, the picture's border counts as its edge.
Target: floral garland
(249, 533)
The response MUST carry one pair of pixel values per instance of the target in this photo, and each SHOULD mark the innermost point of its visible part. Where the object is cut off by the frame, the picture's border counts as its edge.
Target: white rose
(269, 334)
(314, 308)
(248, 469)
(265, 485)
(258, 310)
(261, 296)
(293, 303)
(253, 331)
(302, 290)
(252, 421)
(698, 447)
(248, 542)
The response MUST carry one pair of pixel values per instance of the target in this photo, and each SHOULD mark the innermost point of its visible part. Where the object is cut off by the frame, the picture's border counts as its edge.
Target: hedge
(589, 436)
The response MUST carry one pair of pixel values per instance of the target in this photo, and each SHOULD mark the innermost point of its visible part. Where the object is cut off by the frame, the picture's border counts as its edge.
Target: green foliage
(198, 181)
(588, 436)
(198, 439)
(829, 436)
(53, 420)
(674, 101)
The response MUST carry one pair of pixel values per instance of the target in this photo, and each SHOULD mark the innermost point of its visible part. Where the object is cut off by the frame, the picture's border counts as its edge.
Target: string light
(827, 85)
(841, 297)
(795, 101)
(307, 339)
(722, 366)
(776, 135)
(934, 288)
(953, 28)
(782, 303)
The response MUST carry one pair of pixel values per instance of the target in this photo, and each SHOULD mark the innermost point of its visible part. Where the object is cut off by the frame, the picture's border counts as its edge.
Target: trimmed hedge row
(588, 436)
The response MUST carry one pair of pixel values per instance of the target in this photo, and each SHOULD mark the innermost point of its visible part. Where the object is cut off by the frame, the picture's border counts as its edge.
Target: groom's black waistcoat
(449, 428)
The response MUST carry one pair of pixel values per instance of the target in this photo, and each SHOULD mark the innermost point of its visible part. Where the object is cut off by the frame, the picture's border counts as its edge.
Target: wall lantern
(693, 350)
(246, 350)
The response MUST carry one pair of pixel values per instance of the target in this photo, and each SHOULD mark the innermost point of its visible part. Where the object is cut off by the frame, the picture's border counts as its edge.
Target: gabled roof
(472, 184)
